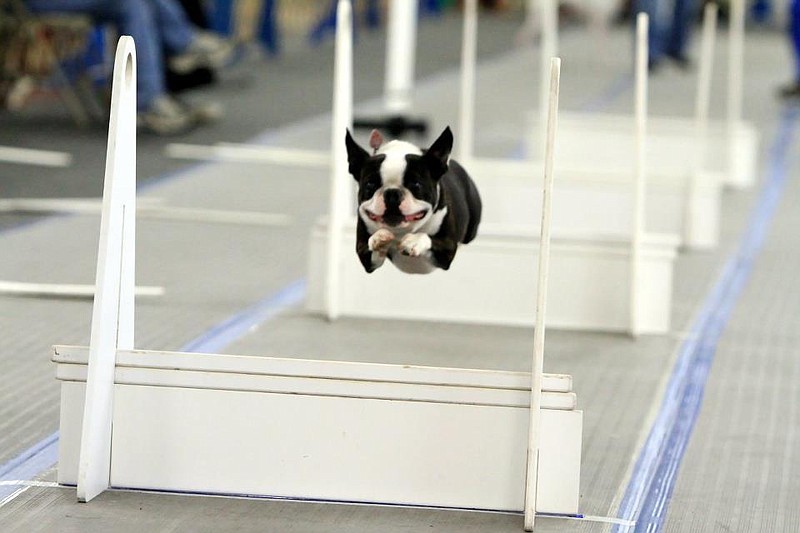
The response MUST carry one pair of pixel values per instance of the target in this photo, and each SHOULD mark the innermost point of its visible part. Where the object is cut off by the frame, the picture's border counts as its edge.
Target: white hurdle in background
(398, 98)
(339, 431)
(496, 267)
(732, 143)
(681, 201)
(401, 37)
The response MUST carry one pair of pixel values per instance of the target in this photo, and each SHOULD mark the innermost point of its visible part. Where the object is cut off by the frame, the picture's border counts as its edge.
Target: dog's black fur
(415, 206)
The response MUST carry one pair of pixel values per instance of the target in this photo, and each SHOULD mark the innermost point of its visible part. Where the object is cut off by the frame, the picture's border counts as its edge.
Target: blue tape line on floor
(238, 325)
(43, 455)
(29, 464)
(648, 493)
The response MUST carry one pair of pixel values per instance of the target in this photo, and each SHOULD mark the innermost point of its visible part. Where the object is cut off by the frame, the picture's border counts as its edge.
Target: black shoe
(789, 91)
(680, 60)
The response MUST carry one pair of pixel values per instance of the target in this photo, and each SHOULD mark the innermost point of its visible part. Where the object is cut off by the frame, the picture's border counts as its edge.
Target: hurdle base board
(591, 200)
(606, 141)
(743, 156)
(223, 424)
(588, 283)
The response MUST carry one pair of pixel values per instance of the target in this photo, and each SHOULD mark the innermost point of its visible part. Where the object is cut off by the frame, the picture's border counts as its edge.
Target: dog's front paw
(380, 241)
(415, 244)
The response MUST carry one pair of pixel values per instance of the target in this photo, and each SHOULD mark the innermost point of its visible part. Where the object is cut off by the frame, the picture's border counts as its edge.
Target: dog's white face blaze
(392, 170)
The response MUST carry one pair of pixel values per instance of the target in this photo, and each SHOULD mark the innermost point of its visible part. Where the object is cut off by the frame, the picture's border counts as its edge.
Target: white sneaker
(207, 50)
(168, 116)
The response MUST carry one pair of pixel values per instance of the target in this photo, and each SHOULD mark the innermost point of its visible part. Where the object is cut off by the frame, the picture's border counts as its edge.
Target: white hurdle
(585, 164)
(496, 268)
(732, 144)
(294, 428)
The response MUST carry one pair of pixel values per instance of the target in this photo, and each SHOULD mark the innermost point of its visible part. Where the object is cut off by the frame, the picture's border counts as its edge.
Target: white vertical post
(640, 168)
(706, 68)
(468, 66)
(340, 179)
(537, 367)
(400, 54)
(736, 175)
(549, 49)
(735, 63)
(702, 104)
(112, 314)
(528, 29)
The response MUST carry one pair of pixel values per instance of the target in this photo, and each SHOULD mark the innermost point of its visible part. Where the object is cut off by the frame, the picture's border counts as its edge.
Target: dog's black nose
(392, 197)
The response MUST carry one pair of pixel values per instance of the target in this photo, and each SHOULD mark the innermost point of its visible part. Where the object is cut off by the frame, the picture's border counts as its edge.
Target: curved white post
(468, 66)
(537, 368)
(640, 169)
(112, 314)
(340, 178)
(401, 41)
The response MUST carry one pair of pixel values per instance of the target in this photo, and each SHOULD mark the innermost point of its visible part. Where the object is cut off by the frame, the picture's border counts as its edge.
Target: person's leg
(654, 37)
(187, 46)
(680, 29)
(158, 111)
(792, 89)
(794, 35)
(130, 17)
(177, 33)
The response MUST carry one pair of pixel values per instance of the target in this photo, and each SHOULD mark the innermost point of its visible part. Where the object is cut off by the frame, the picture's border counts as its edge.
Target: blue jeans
(794, 34)
(654, 10)
(683, 15)
(157, 26)
(669, 31)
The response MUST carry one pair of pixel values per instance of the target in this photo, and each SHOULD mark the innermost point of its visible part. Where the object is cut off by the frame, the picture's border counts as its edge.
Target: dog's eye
(369, 188)
(415, 187)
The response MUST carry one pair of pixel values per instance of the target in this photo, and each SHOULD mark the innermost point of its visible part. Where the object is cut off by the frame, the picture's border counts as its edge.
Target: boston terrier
(415, 206)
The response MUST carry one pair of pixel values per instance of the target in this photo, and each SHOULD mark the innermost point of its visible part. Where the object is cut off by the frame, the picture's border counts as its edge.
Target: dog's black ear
(439, 152)
(356, 156)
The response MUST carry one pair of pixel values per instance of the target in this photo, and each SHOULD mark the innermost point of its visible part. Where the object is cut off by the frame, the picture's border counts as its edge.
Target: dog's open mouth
(393, 219)
(416, 216)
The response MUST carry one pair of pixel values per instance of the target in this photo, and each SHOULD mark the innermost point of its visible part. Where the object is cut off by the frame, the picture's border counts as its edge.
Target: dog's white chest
(412, 265)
